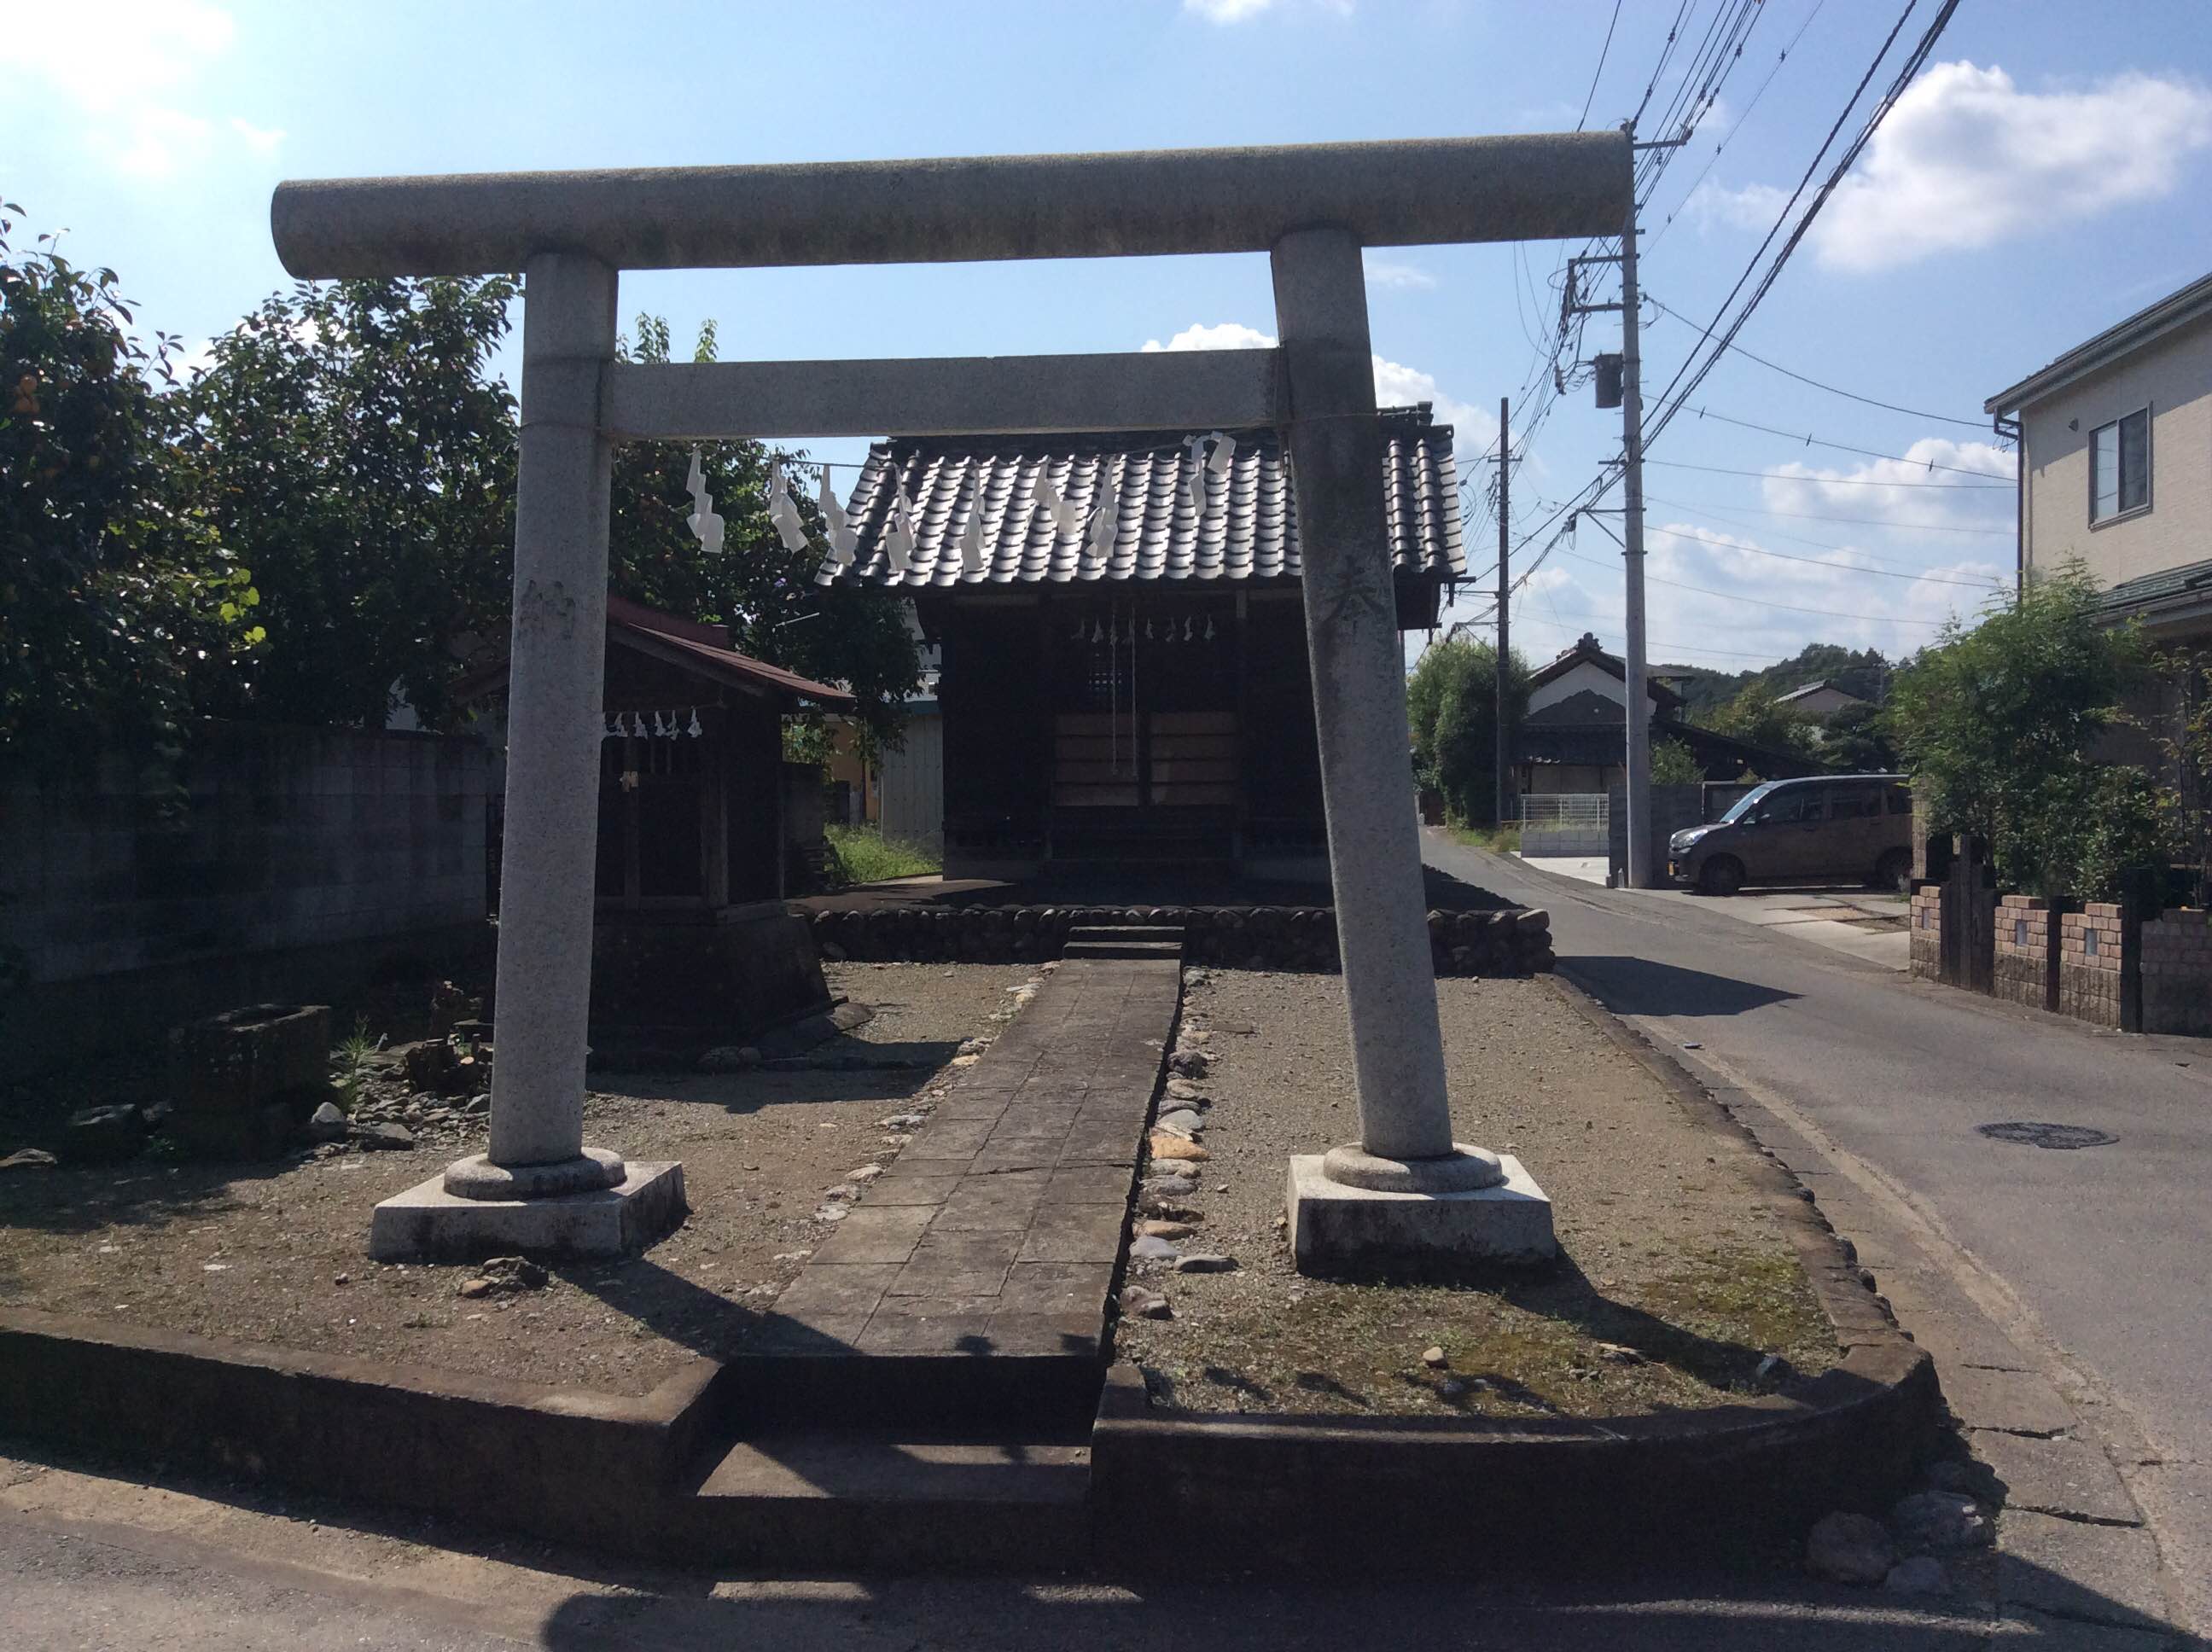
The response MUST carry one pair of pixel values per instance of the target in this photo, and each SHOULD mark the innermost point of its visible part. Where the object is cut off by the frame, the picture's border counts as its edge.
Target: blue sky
(2046, 175)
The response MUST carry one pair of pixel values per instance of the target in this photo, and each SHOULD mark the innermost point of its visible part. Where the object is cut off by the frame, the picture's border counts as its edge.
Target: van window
(1901, 800)
(1785, 808)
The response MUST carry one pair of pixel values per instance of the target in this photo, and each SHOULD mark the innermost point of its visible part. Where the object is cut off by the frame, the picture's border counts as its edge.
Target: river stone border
(1510, 941)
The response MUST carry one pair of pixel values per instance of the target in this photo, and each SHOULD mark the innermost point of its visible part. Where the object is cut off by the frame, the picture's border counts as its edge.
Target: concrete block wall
(2022, 975)
(286, 838)
(1927, 931)
(2177, 972)
(2089, 963)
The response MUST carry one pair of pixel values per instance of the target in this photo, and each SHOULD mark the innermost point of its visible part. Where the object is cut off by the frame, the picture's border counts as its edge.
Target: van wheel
(1893, 872)
(1723, 875)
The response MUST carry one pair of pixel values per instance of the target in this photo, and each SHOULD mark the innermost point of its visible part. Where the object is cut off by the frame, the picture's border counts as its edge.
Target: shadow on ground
(1641, 987)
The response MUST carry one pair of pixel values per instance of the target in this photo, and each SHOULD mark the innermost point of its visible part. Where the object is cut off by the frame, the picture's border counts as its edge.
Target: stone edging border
(568, 1464)
(1507, 941)
(1367, 1494)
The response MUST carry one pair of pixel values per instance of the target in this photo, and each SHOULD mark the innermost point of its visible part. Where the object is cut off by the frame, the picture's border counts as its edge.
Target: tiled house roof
(1248, 532)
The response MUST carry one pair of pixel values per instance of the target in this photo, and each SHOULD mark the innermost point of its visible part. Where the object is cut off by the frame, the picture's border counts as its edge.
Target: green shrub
(862, 854)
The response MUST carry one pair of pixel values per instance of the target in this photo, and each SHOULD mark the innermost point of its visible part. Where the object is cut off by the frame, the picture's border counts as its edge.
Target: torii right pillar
(1406, 1193)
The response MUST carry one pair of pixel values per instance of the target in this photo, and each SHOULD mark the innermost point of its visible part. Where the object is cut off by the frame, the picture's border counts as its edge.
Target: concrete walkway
(998, 1229)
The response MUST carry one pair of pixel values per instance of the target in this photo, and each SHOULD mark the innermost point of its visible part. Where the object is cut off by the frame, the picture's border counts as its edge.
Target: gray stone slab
(845, 1289)
(1056, 1288)
(428, 1223)
(1074, 1233)
(2057, 1476)
(2019, 1401)
(950, 1326)
(875, 1234)
(910, 1190)
(2070, 1569)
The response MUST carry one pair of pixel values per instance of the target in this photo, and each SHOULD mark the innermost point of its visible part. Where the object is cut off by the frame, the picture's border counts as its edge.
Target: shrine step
(1111, 945)
(827, 1499)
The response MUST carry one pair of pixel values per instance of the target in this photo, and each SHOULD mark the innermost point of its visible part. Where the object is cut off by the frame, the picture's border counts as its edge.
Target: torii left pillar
(539, 1190)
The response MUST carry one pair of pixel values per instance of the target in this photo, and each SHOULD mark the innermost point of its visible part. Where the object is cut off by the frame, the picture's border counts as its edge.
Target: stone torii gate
(1311, 208)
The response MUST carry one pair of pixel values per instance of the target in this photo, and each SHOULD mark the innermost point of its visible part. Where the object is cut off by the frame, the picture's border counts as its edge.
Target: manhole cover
(2048, 1135)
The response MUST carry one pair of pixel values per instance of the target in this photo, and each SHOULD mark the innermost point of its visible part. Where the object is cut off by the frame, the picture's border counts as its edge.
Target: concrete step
(893, 1500)
(1170, 949)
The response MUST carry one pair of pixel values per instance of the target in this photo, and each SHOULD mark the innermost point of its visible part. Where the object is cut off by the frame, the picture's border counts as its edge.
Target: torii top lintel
(1400, 193)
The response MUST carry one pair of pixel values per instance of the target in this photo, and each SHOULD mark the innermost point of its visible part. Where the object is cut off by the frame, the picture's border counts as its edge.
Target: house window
(2119, 467)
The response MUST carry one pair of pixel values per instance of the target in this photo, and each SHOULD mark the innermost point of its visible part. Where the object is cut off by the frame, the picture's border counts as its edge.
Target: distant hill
(1863, 672)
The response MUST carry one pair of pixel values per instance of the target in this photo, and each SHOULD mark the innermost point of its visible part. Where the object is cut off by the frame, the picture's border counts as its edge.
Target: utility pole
(1504, 609)
(1638, 777)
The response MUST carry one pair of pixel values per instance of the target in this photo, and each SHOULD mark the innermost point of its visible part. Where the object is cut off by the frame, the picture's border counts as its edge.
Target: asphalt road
(2106, 1249)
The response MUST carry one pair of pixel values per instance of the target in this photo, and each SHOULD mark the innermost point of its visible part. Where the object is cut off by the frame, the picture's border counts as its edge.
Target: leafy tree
(2186, 740)
(113, 593)
(348, 444)
(1451, 702)
(1998, 722)
(1673, 763)
(764, 592)
(1757, 717)
(1856, 742)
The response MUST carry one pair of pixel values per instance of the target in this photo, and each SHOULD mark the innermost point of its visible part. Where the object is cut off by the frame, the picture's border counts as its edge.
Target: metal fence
(1564, 823)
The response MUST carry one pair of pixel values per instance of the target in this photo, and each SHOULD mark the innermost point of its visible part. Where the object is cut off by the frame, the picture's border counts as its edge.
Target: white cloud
(1395, 272)
(1967, 158)
(1227, 336)
(160, 142)
(127, 79)
(1753, 207)
(1396, 383)
(1941, 510)
(136, 49)
(262, 140)
(1227, 11)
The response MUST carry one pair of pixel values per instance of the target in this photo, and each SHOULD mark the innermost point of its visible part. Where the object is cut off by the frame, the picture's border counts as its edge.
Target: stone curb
(1368, 1493)
(1510, 941)
(572, 1464)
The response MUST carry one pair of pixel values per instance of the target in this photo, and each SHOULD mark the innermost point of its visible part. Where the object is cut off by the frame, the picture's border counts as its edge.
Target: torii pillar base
(432, 1223)
(1420, 1216)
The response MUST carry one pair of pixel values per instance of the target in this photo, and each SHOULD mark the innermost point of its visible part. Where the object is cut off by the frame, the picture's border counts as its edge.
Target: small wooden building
(1133, 689)
(703, 831)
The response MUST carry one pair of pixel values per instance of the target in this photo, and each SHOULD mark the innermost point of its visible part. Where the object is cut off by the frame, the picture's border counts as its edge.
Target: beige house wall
(2173, 376)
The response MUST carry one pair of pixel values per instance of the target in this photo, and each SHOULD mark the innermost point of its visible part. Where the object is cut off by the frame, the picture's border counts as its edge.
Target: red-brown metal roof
(691, 645)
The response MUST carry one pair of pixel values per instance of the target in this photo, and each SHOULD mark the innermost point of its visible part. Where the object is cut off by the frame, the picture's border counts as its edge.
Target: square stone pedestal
(1335, 1227)
(426, 1223)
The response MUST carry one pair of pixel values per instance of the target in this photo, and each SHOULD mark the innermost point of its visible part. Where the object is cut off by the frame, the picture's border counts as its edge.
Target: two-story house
(2116, 465)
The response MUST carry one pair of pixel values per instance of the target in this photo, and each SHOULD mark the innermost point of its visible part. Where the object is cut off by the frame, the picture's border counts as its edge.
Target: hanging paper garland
(1106, 522)
(702, 521)
(843, 543)
(971, 537)
(783, 509)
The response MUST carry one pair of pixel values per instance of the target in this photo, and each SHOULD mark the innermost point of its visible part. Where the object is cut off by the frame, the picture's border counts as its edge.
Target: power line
(1815, 561)
(1603, 52)
(1733, 519)
(1739, 121)
(1841, 447)
(1837, 481)
(1847, 395)
(1689, 379)
(1762, 602)
(1866, 521)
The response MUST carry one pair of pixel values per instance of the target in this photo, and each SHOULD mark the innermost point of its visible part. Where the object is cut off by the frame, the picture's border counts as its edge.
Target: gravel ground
(1675, 1281)
(275, 1253)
